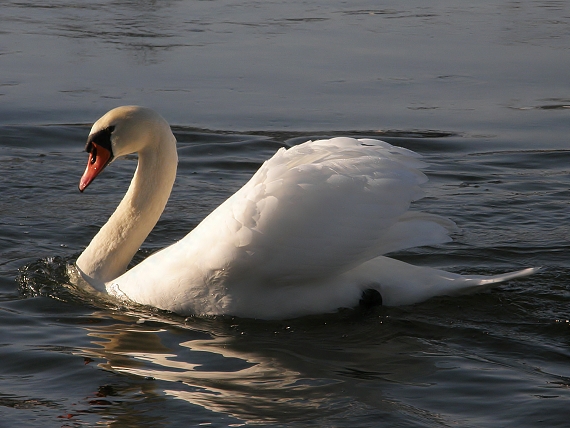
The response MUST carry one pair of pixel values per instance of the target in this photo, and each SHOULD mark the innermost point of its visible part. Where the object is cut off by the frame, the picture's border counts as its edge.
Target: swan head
(121, 131)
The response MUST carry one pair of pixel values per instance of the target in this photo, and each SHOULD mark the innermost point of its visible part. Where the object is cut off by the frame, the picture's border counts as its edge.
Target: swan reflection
(221, 370)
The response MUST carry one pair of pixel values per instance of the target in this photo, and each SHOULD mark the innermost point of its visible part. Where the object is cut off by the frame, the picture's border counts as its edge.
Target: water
(480, 89)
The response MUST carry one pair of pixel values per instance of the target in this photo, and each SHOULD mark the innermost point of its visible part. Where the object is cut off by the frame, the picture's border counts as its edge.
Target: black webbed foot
(370, 298)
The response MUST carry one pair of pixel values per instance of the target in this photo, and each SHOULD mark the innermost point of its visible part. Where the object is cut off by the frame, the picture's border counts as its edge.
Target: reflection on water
(221, 372)
(234, 367)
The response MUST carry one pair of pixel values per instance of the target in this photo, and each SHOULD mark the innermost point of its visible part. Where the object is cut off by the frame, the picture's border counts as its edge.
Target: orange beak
(99, 158)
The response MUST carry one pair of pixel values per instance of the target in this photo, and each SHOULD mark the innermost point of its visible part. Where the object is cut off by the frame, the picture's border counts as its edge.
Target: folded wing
(324, 207)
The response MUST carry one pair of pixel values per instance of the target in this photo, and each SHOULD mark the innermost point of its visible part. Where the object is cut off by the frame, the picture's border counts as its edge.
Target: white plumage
(305, 235)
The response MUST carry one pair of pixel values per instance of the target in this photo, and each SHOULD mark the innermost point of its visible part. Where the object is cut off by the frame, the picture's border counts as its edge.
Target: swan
(305, 235)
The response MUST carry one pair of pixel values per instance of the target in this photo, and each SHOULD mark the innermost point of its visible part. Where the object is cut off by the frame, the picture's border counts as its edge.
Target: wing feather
(326, 206)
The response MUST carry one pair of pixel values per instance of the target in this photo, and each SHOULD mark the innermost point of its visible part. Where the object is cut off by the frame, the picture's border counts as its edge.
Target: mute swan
(305, 235)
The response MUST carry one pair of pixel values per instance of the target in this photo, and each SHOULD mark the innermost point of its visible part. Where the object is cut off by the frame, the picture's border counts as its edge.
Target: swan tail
(477, 283)
(400, 283)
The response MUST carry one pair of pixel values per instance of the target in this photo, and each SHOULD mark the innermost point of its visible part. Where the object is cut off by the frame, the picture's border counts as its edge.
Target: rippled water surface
(480, 89)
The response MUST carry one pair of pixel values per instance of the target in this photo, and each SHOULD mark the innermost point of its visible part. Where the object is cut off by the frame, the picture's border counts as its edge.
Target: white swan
(305, 235)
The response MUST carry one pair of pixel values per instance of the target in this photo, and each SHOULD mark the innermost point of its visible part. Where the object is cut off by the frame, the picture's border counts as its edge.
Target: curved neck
(111, 250)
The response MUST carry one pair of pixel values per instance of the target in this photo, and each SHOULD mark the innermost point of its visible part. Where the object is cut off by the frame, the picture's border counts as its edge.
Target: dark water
(481, 90)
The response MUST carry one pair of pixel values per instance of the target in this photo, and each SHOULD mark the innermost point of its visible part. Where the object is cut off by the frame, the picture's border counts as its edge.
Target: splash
(45, 277)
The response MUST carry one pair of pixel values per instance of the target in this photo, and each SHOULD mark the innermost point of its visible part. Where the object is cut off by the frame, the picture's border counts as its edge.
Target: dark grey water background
(481, 89)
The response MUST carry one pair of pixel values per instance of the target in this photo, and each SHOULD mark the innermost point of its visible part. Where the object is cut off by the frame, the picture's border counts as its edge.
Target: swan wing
(321, 208)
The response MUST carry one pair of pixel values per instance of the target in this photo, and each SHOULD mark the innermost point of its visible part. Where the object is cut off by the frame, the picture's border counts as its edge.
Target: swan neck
(114, 246)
